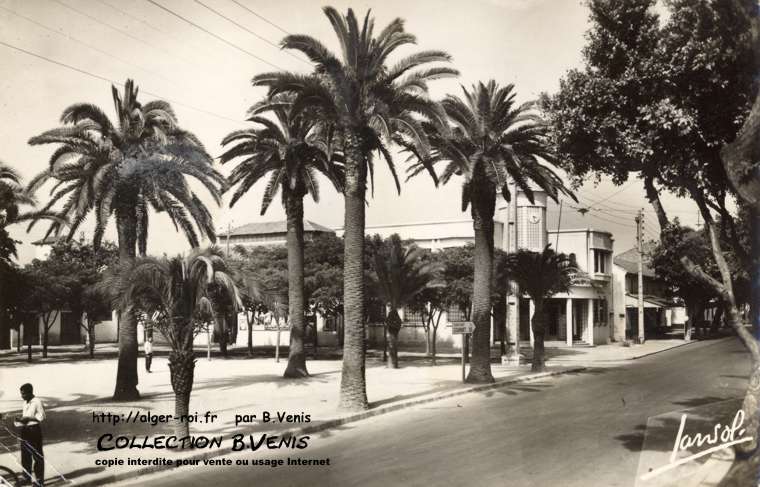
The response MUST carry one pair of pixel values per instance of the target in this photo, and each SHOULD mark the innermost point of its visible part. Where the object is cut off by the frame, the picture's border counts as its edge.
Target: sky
(203, 65)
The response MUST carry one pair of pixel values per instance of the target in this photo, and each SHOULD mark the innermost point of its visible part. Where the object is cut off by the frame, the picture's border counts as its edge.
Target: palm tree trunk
(538, 324)
(126, 373)
(181, 369)
(220, 321)
(353, 387)
(250, 334)
(482, 221)
(296, 355)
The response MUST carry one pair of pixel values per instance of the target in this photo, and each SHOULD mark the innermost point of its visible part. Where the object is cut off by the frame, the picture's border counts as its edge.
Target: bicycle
(9, 478)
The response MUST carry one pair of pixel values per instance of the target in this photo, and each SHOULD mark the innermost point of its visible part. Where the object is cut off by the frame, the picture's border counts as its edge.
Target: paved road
(578, 430)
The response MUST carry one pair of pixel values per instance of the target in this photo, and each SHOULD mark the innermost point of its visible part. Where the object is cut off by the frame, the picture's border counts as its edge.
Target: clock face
(534, 219)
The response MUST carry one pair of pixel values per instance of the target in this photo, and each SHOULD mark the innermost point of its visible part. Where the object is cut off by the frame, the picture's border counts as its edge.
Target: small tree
(173, 293)
(400, 274)
(431, 304)
(85, 265)
(46, 294)
(540, 276)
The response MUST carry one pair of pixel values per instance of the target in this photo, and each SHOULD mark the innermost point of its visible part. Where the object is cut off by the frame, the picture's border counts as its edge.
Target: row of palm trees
(335, 121)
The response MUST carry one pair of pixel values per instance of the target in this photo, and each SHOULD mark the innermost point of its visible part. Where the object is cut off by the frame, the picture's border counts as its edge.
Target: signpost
(464, 328)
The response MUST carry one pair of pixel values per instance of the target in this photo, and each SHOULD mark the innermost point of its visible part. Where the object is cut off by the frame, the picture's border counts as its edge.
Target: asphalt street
(584, 429)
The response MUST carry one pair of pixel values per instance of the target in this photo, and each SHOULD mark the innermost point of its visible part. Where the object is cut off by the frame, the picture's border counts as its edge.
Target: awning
(632, 301)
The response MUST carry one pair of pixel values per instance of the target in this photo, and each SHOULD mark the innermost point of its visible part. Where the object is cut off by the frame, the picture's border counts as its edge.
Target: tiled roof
(269, 228)
(629, 260)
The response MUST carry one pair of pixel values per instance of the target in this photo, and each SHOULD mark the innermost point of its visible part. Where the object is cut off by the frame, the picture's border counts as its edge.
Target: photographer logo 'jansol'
(682, 444)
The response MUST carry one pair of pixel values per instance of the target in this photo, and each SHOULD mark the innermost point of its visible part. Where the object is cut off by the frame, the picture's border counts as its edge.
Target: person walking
(30, 424)
(148, 349)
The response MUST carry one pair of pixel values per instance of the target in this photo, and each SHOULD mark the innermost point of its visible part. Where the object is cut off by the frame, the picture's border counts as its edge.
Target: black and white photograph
(326, 243)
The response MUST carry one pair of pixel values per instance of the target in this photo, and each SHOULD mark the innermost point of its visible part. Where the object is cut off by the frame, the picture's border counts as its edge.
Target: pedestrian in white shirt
(148, 349)
(30, 421)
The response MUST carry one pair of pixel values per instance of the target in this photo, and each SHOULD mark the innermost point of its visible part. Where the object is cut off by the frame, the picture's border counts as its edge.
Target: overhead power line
(120, 31)
(147, 24)
(240, 26)
(259, 16)
(598, 202)
(108, 80)
(215, 36)
(88, 45)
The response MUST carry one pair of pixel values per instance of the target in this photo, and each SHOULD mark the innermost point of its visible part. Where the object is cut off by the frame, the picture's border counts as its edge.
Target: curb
(636, 357)
(328, 424)
(671, 348)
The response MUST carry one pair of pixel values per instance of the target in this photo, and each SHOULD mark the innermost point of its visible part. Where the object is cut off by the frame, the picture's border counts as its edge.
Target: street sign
(462, 328)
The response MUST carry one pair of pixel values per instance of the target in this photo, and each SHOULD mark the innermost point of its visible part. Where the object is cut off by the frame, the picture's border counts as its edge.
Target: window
(600, 261)
(456, 314)
(633, 283)
(600, 312)
(331, 323)
(412, 316)
(531, 234)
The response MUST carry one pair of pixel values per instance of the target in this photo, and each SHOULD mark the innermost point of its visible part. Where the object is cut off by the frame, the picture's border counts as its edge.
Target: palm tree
(124, 170)
(13, 196)
(370, 104)
(540, 276)
(290, 152)
(493, 143)
(400, 274)
(173, 293)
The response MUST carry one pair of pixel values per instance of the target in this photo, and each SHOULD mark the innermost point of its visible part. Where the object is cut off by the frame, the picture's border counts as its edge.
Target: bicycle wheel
(8, 477)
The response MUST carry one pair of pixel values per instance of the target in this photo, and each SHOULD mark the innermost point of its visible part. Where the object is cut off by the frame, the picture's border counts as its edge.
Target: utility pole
(639, 242)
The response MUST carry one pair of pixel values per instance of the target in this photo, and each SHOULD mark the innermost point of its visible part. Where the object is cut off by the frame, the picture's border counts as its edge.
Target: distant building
(580, 317)
(658, 308)
(268, 233)
(433, 235)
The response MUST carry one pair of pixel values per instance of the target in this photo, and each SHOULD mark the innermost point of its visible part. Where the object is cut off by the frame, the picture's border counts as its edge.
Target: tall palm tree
(540, 276)
(400, 274)
(493, 143)
(289, 151)
(173, 293)
(370, 104)
(123, 170)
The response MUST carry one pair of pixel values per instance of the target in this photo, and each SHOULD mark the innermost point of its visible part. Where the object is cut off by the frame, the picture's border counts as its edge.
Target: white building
(580, 317)
(659, 310)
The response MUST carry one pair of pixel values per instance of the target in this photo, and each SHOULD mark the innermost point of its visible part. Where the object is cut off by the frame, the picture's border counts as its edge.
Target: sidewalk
(613, 353)
(74, 390)
(556, 352)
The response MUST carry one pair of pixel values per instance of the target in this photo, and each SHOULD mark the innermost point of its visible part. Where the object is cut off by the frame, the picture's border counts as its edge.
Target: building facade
(268, 233)
(580, 316)
(659, 311)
